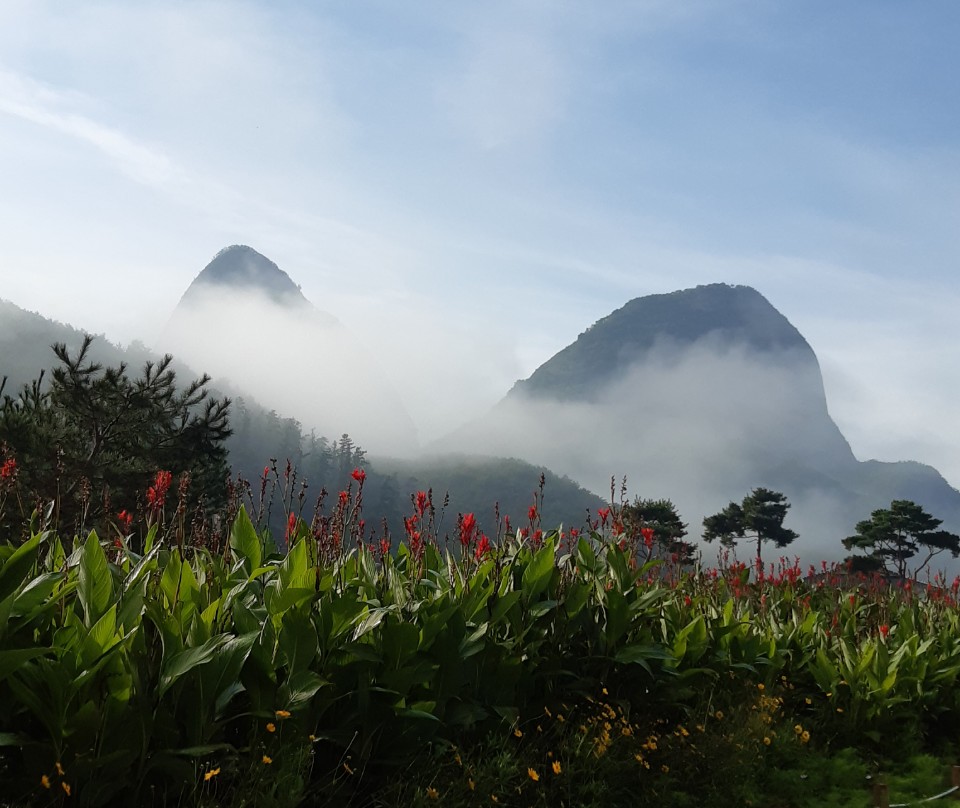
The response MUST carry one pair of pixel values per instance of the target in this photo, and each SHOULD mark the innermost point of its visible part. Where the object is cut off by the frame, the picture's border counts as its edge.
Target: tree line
(87, 445)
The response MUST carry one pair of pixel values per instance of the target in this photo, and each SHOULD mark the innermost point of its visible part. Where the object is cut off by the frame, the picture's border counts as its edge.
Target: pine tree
(758, 518)
(93, 441)
(894, 535)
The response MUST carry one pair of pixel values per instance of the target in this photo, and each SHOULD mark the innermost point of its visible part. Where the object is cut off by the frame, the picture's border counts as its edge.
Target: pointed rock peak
(242, 268)
(717, 315)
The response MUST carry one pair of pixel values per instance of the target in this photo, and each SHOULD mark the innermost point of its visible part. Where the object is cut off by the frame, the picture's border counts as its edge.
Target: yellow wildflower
(271, 727)
(60, 770)
(556, 767)
(267, 759)
(808, 700)
(804, 736)
(45, 781)
(470, 784)
(665, 768)
(66, 788)
(532, 774)
(432, 793)
(281, 714)
(719, 715)
(494, 798)
(798, 729)
(517, 733)
(211, 774)
(766, 740)
(312, 738)
(761, 687)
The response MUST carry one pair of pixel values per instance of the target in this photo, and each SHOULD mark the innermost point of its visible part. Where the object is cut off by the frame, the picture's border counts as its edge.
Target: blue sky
(470, 186)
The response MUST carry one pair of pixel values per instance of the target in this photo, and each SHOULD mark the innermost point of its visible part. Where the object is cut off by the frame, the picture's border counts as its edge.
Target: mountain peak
(243, 268)
(720, 314)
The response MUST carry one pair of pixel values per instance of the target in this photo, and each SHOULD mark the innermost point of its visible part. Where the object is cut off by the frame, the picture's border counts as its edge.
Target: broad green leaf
(188, 659)
(18, 566)
(245, 542)
(11, 661)
(96, 582)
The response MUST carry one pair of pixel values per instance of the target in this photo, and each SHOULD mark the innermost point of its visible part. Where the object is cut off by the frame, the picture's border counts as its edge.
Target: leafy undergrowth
(529, 668)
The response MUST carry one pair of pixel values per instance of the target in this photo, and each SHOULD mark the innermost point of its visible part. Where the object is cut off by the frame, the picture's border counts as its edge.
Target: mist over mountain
(243, 319)
(700, 395)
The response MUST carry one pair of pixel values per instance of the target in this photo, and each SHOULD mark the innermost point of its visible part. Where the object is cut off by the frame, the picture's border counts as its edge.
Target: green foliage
(759, 518)
(93, 439)
(894, 535)
(195, 677)
(660, 515)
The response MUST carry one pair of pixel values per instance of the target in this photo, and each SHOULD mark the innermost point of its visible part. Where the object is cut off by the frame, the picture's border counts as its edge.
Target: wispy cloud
(33, 101)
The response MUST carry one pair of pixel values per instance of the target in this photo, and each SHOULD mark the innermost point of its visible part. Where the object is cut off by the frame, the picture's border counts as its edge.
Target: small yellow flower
(45, 781)
(761, 687)
(60, 770)
(560, 718)
(665, 768)
(211, 774)
(719, 715)
(546, 710)
(804, 737)
(532, 774)
(312, 738)
(281, 714)
(797, 729)
(494, 798)
(271, 727)
(267, 760)
(517, 733)
(66, 788)
(808, 700)
(432, 793)
(470, 784)
(839, 709)
(766, 740)
(556, 767)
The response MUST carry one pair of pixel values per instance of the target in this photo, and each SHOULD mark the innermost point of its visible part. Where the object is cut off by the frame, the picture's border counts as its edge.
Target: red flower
(359, 475)
(8, 469)
(532, 513)
(421, 502)
(384, 547)
(125, 521)
(604, 514)
(468, 529)
(647, 533)
(483, 547)
(884, 630)
(157, 493)
(291, 527)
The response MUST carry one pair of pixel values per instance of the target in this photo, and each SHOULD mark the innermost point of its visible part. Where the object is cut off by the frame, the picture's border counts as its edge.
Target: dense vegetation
(180, 654)
(536, 668)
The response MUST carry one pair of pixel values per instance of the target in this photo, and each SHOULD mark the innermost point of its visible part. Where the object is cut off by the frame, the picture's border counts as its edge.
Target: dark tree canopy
(758, 518)
(660, 515)
(892, 536)
(97, 437)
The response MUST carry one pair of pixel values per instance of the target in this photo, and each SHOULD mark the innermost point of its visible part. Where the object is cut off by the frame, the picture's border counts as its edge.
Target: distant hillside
(476, 485)
(25, 345)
